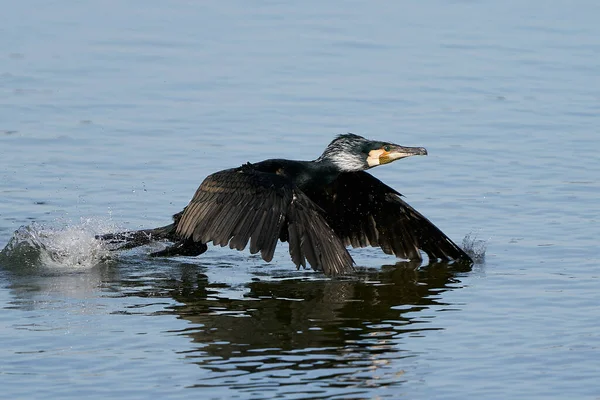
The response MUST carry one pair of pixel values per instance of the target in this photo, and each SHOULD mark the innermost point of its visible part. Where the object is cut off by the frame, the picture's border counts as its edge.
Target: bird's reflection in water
(312, 328)
(342, 334)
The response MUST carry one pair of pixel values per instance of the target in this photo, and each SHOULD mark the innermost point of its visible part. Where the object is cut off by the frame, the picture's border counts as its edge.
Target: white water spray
(474, 247)
(70, 247)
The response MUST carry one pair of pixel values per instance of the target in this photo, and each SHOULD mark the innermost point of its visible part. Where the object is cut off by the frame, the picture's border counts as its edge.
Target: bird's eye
(387, 147)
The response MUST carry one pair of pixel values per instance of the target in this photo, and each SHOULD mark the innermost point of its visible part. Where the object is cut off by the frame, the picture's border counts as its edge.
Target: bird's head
(350, 152)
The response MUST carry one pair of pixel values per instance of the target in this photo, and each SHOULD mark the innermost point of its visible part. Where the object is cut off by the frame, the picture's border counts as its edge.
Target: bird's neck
(323, 171)
(304, 174)
(341, 161)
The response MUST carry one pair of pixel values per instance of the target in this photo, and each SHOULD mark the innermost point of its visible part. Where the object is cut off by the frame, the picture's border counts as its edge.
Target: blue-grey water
(112, 113)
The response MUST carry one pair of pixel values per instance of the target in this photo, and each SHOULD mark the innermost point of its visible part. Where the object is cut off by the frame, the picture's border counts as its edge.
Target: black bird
(319, 207)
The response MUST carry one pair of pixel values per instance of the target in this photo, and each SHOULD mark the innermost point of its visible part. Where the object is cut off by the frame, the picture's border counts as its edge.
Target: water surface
(112, 113)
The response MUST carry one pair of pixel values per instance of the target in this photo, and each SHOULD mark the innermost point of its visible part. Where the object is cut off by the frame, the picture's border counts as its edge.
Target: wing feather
(245, 205)
(363, 211)
(313, 240)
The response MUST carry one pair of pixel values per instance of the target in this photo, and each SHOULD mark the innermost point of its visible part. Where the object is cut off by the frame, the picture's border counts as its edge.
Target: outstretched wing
(364, 211)
(242, 205)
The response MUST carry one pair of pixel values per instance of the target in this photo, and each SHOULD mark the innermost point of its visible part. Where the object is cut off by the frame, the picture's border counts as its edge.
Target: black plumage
(319, 207)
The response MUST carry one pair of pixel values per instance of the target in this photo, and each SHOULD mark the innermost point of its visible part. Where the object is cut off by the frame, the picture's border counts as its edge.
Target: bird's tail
(131, 239)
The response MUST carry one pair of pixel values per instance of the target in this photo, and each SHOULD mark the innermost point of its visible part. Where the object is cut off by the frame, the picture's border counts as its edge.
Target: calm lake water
(112, 113)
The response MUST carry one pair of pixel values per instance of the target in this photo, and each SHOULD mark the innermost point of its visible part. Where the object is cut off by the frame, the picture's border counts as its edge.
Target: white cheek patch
(373, 159)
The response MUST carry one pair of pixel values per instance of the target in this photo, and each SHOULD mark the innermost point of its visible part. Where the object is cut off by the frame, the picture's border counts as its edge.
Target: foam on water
(68, 246)
(474, 247)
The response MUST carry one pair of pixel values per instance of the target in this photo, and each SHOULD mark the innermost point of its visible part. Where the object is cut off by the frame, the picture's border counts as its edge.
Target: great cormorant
(319, 207)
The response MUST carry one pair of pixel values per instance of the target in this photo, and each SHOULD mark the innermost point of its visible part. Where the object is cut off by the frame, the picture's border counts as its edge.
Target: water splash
(70, 247)
(474, 247)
